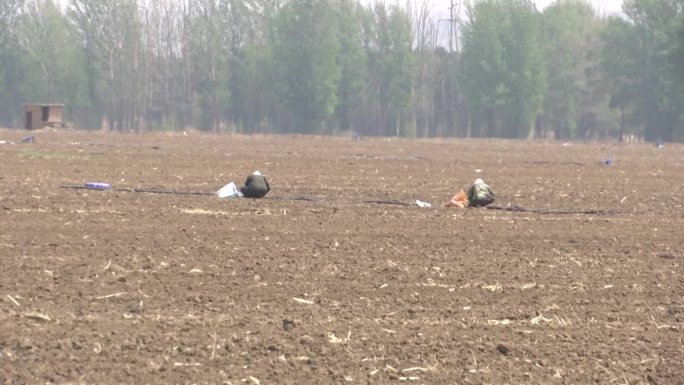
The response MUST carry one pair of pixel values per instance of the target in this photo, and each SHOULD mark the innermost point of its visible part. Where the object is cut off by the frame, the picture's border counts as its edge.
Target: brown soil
(126, 287)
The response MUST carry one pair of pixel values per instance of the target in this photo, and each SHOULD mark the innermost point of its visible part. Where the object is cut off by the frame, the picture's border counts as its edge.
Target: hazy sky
(603, 7)
(441, 7)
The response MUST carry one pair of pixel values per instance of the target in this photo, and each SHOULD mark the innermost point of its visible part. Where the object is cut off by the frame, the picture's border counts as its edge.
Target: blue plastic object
(98, 186)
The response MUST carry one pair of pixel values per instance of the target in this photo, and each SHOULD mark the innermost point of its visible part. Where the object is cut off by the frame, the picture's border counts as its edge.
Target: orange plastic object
(459, 200)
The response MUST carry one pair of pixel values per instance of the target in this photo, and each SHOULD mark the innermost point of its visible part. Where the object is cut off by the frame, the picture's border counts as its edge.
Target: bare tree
(424, 31)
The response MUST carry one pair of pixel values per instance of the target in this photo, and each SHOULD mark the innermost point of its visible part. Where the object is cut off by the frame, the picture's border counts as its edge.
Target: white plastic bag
(229, 191)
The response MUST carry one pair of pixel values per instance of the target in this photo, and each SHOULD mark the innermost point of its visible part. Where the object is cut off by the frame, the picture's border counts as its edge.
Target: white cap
(256, 173)
(479, 181)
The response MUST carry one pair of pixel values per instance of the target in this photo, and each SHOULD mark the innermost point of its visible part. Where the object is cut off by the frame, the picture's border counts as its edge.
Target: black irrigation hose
(288, 198)
(552, 162)
(297, 198)
(140, 190)
(389, 202)
(545, 211)
(382, 202)
(172, 192)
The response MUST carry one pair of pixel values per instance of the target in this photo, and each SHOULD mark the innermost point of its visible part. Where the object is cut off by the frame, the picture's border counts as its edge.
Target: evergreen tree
(638, 62)
(388, 45)
(503, 76)
(12, 72)
(353, 64)
(571, 32)
(307, 72)
(56, 64)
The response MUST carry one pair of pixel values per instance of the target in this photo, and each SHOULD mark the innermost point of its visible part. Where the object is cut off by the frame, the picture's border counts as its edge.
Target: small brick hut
(40, 115)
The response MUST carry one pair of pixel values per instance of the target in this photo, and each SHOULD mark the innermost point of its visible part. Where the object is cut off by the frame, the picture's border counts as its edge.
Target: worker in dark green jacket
(256, 186)
(479, 194)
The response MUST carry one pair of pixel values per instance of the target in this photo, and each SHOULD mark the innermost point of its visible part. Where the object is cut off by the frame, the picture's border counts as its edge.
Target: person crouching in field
(479, 194)
(256, 186)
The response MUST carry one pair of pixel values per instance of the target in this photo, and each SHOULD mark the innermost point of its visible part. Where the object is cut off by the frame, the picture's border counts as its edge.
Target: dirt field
(121, 287)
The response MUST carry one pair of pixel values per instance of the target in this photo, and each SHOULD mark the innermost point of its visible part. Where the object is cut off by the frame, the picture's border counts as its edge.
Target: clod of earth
(503, 349)
(288, 325)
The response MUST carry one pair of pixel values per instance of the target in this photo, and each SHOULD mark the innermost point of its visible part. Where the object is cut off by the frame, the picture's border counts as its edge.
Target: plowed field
(325, 281)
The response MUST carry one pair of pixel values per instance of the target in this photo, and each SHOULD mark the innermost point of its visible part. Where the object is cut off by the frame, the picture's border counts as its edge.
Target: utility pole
(451, 25)
(453, 20)
(455, 10)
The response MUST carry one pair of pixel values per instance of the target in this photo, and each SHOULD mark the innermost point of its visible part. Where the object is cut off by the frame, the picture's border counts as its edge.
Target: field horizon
(337, 276)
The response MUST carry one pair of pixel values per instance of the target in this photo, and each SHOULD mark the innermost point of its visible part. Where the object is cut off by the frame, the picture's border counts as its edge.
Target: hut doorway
(28, 121)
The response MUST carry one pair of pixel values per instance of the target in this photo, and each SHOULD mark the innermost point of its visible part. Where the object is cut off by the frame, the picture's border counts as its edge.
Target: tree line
(330, 66)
